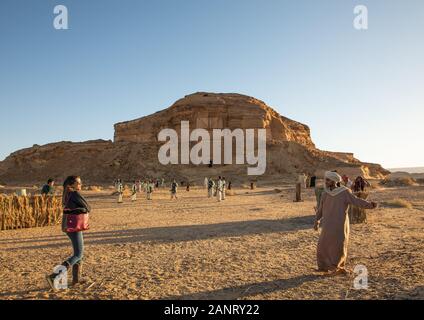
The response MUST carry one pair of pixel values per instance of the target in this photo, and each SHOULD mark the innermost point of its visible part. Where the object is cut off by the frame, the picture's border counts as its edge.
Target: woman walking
(74, 222)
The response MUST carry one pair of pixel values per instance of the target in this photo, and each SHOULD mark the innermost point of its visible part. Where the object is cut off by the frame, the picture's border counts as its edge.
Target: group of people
(217, 188)
(139, 186)
(148, 186)
(331, 217)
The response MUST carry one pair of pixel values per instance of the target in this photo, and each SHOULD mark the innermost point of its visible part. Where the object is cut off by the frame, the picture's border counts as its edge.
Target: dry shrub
(230, 193)
(248, 186)
(398, 203)
(375, 184)
(399, 182)
(95, 188)
(27, 212)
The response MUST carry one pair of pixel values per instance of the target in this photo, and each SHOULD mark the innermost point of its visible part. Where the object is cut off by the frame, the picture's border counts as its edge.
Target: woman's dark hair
(68, 182)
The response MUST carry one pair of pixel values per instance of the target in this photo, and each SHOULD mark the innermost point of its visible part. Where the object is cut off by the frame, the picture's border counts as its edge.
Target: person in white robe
(120, 192)
(219, 189)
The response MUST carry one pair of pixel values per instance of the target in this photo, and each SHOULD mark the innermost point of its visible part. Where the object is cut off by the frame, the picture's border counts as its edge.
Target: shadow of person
(251, 289)
(182, 233)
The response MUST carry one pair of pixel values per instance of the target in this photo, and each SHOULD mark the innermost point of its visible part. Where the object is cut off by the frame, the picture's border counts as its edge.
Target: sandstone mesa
(134, 152)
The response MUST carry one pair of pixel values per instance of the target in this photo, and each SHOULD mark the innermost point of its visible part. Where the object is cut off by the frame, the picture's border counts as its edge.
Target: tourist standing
(74, 222)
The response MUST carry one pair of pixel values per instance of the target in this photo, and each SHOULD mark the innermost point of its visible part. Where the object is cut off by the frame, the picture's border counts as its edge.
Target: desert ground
(257, 244)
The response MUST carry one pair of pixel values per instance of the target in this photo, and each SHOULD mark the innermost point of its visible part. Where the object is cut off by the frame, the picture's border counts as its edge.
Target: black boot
(50, 278)
(76, 273)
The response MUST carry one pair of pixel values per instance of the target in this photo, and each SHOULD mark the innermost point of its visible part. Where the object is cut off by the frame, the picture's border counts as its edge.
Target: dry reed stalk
(18, 212)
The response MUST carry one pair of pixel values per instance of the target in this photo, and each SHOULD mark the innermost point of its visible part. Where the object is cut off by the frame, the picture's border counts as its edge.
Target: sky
(359, 91)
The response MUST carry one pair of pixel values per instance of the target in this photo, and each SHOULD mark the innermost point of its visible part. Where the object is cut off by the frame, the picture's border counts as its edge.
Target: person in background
(134, 191)
(73, 204)
(224, 188)
(211, 186)
(174, 187)
(120, 191)
(360, 184)
(302, 180)
(219, 187)
(347, 182)
(149, 189)
(48, 189)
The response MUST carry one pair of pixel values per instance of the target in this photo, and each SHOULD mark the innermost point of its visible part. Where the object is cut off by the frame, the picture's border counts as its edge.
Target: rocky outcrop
(134, 152)
(215, 111)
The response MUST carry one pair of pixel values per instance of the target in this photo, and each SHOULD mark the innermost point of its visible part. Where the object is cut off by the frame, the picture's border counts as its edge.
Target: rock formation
(134, 152)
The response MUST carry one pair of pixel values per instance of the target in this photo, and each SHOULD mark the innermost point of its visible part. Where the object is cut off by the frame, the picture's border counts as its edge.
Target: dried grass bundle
(17, 212)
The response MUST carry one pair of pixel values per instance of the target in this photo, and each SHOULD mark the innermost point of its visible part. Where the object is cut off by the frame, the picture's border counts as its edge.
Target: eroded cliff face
(134, 152)
(215, 111)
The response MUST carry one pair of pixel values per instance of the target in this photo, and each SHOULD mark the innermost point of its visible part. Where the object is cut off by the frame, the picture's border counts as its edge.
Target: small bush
(398, 203)
(95, 188)
(399, 182)
(230, 193)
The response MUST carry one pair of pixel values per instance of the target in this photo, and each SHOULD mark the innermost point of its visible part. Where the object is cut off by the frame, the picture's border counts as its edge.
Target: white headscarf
(334, 176)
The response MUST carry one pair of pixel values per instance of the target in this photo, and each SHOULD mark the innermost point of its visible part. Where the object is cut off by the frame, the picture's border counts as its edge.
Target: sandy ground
(254, 245)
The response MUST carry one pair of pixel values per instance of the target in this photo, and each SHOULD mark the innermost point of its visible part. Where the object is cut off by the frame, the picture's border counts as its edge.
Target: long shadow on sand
(252, 289)
(180, 233)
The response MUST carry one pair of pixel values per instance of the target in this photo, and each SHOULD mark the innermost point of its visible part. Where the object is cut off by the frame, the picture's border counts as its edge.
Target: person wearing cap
(333, 219)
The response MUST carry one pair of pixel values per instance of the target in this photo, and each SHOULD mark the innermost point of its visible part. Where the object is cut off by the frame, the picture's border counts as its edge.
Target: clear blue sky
(359, 91)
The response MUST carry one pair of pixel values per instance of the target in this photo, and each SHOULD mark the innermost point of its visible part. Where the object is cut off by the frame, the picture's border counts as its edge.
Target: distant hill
(409, 170)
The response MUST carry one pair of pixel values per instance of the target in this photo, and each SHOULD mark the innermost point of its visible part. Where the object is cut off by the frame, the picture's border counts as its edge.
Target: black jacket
(76, 204)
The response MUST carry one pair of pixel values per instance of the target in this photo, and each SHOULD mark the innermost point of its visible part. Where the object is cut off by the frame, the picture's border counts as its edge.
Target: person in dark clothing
(73, 204)
(360, 184)
(48, 189)
(174, 187)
